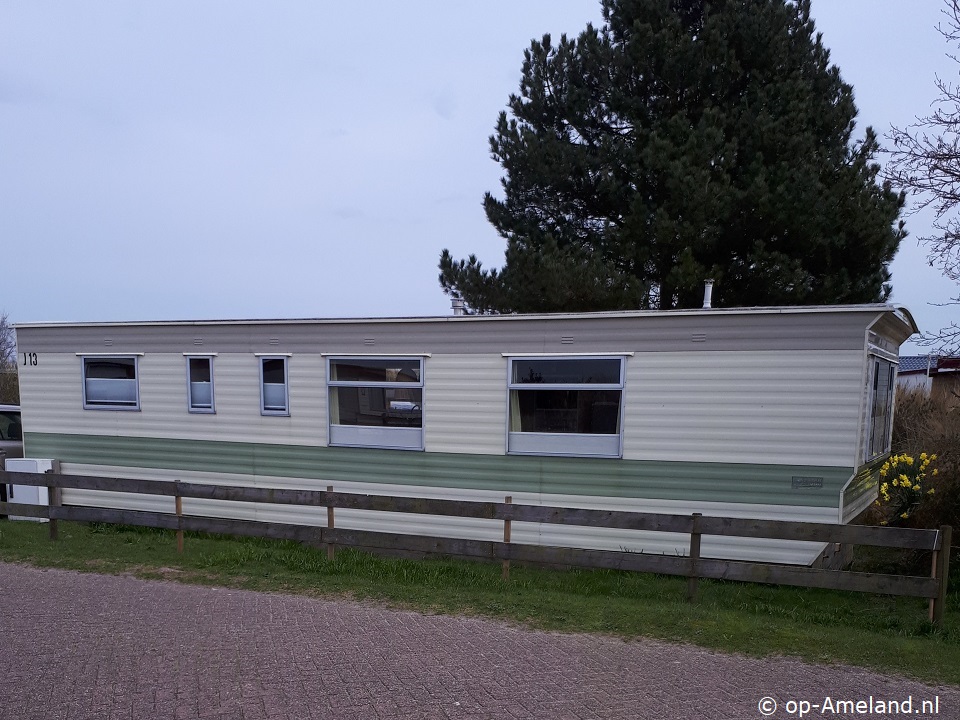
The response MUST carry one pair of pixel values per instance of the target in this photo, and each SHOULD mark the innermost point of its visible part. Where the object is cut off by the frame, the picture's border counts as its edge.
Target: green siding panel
(714, 482)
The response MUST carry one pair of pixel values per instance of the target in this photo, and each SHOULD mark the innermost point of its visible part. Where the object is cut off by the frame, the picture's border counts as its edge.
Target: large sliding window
(566, 406)
(880, 425)
(200, 384)
(110, 383)
(376, 402)
(274, 386)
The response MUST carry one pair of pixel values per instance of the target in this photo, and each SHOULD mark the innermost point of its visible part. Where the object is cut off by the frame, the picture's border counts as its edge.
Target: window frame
(877, 363)
(384, 438)
(264, 410)
(201, 410)
(95, 405)
(560, 444)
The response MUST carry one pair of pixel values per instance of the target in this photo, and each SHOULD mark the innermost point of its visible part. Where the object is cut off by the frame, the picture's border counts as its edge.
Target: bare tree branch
(9, 386)
(8, 344)
(925, 160)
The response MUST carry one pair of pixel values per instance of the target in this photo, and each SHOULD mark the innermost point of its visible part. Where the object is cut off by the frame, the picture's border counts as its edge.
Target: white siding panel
(440, 526)
(53, 403)
(465, 404)
(753, 407)
(51, 396)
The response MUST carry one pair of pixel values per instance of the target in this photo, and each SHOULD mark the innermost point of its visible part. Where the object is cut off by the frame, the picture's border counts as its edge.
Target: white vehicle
(11, 432)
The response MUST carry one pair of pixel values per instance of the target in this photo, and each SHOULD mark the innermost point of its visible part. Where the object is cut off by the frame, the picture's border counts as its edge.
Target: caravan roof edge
(705, 312)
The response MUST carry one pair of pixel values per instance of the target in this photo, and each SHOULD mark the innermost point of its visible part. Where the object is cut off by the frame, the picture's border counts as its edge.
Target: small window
(376, 402)
(10, 427)
(880, 427)
(565, 406)
(110, 383)
(200, 384)
(274, 395)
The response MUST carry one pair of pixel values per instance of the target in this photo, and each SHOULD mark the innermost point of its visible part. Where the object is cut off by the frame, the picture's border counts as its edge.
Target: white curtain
(334, 406)
(514, 411)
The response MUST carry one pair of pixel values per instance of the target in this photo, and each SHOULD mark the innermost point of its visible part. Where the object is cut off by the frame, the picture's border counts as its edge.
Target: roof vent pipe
(457, 305)
(707, 294)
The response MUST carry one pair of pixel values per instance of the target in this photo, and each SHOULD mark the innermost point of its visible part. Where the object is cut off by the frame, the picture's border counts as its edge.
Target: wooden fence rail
(692, 566)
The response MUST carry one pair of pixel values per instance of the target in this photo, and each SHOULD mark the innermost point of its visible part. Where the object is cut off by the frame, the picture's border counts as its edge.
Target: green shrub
(926, 449)
(904, 486)
(929, 425)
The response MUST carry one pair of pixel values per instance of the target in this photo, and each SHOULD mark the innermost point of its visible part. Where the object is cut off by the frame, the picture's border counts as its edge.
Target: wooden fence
(692, 566)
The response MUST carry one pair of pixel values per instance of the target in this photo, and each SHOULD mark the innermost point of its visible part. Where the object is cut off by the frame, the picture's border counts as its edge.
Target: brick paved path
(77, 646)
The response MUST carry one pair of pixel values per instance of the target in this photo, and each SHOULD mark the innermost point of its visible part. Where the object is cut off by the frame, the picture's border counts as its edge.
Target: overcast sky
(199, 160)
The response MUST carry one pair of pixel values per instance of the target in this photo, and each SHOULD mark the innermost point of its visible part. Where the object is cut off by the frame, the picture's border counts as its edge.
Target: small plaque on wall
(801, 482)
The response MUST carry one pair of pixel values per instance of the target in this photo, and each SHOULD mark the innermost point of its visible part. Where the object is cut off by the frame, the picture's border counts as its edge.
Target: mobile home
(771, 413)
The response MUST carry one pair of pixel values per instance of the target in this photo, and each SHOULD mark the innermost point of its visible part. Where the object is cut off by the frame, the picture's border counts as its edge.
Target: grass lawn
(891, 635)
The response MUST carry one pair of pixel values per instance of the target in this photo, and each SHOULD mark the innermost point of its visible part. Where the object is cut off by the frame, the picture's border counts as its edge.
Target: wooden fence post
(934, 562)
(331, 550)
(506, 539)
(693, 579)
(53, 500)
(178, 506)
(943, 572)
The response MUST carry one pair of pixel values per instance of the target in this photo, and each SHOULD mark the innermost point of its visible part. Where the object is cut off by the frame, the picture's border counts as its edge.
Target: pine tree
(681, 141)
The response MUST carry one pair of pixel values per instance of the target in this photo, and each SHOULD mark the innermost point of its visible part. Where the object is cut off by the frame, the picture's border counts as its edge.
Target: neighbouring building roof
(922, 363)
